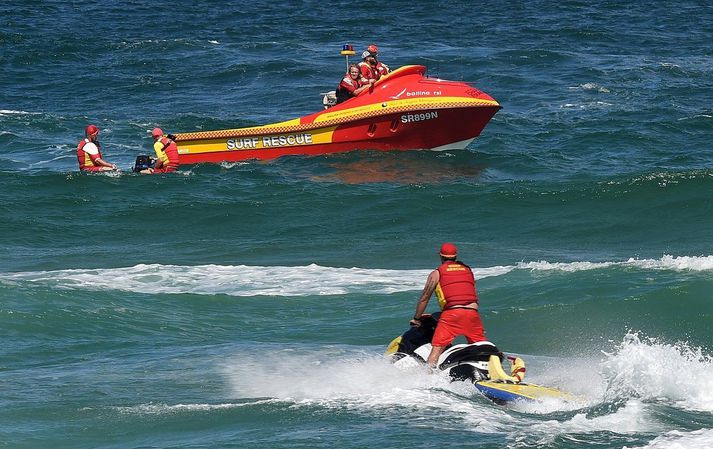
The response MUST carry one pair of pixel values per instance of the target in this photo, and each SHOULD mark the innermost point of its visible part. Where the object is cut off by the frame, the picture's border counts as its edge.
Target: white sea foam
(329, 373)
(11, 112)
(229, 165)
(244, 280)
(595, 86)
(667, 262)
(563, 266)
(335, 378)
(168, 409)
(350, 378)
(652, 370)
(677, 439)
(591, 87)
(634, 417)
(682, 263)
(339, 379)
(240, 280)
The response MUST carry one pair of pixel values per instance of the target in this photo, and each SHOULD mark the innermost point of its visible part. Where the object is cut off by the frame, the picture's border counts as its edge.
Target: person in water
(370, 67)
(166, 153)
(454, 284)
(89, 153)
(351, 84)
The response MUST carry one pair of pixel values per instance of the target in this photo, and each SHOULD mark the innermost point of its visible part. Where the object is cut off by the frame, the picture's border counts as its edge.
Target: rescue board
(506, 391)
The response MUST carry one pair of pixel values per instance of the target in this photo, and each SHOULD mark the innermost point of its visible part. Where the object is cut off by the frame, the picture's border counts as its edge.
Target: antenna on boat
(347, 50)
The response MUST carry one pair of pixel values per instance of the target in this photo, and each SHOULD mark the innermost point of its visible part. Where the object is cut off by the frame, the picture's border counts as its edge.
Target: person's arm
(428, 290)
(361, 89)
(104, 164)
(93, 151)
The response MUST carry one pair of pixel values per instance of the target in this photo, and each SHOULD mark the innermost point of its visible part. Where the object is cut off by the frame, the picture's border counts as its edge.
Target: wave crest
(244, 280)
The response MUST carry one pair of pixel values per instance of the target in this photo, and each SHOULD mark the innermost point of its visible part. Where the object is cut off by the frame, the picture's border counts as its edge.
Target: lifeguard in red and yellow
(89, 153)
(351, 85)
(370, 67)
(166, 153)
(454, 285)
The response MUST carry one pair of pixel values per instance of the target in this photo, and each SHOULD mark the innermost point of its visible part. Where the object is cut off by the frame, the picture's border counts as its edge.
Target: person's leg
(442, 337)
(436, 352)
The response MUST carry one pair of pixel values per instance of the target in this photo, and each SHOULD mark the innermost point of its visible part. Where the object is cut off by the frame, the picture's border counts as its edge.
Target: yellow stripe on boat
(266, 138)
(286, 126)
(405, 105)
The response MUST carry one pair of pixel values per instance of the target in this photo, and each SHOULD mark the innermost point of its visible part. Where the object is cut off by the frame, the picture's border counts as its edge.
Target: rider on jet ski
(454, 285)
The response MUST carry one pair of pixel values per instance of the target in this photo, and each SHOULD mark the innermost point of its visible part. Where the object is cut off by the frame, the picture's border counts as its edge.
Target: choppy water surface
(248, 305)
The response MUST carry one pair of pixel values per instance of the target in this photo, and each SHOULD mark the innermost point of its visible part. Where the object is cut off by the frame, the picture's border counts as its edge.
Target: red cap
(91, 129)
(156, 132)
(448, 250)
(373, 49)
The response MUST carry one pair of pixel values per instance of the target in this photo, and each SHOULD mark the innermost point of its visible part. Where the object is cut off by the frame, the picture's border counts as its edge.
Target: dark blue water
(248, 305)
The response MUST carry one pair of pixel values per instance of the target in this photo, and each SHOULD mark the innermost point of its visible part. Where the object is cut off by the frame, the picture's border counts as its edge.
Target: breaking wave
(244, 280)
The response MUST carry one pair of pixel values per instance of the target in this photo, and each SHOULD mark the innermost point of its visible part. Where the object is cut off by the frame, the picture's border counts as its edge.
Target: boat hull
(404, 111)
(448, 129)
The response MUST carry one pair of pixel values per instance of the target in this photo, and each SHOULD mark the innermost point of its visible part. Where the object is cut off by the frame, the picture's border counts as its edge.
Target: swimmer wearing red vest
(454, 285)
(89, 153)
(166, 154)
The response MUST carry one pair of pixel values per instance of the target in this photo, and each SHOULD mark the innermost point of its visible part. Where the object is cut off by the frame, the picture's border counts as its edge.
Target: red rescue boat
(405, 110)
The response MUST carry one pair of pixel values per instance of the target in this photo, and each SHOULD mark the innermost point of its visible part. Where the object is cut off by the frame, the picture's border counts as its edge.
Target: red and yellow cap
(448, 250)
(91, 129)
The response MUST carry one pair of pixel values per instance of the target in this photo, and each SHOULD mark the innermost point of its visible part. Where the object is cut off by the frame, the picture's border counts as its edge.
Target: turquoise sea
(248, 305)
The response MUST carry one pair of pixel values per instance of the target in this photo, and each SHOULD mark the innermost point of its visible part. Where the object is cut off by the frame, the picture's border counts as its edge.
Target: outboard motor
(329, 99)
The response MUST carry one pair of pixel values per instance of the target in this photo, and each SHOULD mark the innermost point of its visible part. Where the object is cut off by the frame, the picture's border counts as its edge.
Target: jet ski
(480, 363)
(143, 162)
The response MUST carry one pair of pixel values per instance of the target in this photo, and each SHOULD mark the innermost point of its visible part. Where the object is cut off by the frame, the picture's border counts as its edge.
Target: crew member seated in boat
(166, 153)
(89, 153)
(370, 67)
(351, 84)
(382, 68)
(454, 285)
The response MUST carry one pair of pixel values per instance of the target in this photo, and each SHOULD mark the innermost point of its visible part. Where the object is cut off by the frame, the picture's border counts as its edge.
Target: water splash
(653, 370)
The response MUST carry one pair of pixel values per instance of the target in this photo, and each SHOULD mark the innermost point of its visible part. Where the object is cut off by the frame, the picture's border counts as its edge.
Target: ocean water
(248, 305)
